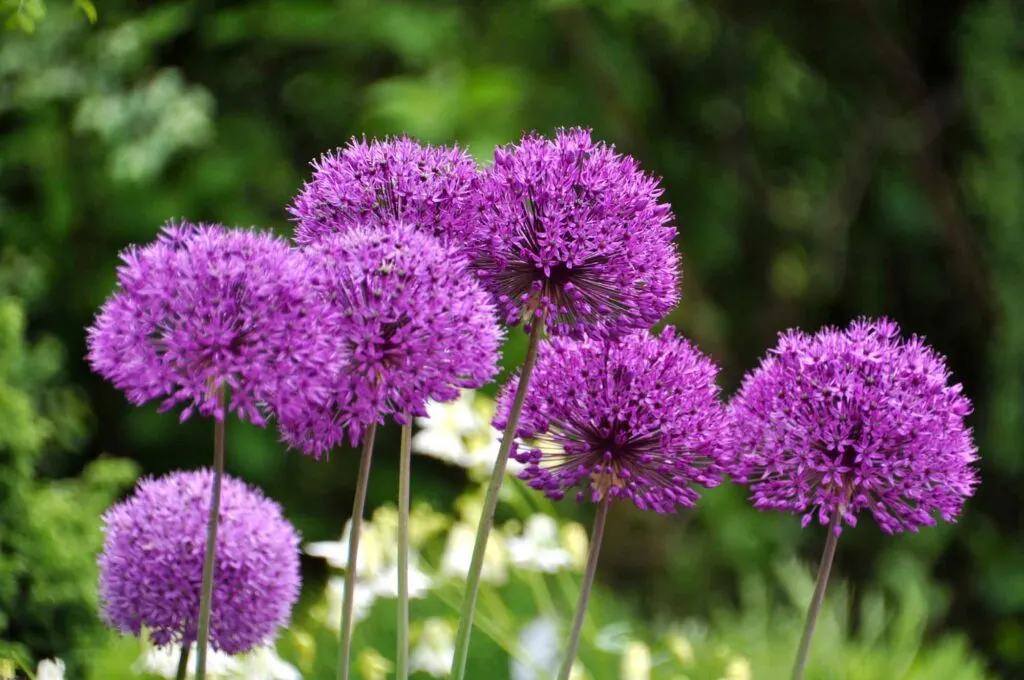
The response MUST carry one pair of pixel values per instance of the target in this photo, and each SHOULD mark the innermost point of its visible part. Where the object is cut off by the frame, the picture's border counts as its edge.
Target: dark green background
(824, 160)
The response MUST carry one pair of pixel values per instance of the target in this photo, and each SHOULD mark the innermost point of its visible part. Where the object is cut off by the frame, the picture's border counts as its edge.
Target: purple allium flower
(855, 419)
(636, 417)
(377, 182)
(571, 231)
(152, 563)
(419, 327)
(203, 306)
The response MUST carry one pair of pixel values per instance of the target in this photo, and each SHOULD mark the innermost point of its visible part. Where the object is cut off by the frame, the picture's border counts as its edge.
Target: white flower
(362, 601)
(538, 549)
(458, 553)
(263, 663)
(636, 662)
(50, 669)
(442, 431)
(163, 661)
(539, 650)
(460, 433)
(614, 638)
(377, 575)
(373, 549)
(435, 649)
(386, 584)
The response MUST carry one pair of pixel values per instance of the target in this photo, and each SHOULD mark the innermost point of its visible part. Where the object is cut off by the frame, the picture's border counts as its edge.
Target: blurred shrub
(49, 529)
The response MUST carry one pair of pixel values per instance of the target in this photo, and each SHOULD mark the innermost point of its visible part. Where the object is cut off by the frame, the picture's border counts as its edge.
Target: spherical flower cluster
(852, 420)
(571, 231)
(204, 306)
(152, 563)
(383, 181)
(635, 418)
(417, 324)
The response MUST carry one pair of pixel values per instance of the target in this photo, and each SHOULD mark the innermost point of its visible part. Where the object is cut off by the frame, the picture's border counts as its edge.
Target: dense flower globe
(382, 181)
(152, 563)
(635, 418)
(204, 306)
(851, 420)
(417, 327)
(571, 231)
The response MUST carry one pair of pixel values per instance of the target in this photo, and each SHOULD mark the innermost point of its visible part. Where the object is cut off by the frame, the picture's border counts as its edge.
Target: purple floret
(397, 179)
(417, 324)
(152, 563)
(636, 418)
(573, 232)
(203, 306)
(855, 419)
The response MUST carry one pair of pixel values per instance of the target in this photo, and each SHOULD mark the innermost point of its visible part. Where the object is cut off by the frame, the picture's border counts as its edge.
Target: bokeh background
(824, 160)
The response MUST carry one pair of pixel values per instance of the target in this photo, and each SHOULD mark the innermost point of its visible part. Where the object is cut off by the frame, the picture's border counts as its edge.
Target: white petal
(539, 648)
(263, 663)
(50, 669)
(335, 552)
(538, 549)
(435, 650)
(458, 554)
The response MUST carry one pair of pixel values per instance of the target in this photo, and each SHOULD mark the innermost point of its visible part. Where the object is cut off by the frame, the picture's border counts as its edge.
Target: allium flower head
(204, 306)
(571, 231)
(152, 563)
(383, 181)
(633, 418)
(417, 324)
(851, 420)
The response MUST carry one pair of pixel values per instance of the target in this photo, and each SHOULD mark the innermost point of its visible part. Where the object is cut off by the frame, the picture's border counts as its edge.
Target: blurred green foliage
(863, 158)
(23, 15)
(49, 529)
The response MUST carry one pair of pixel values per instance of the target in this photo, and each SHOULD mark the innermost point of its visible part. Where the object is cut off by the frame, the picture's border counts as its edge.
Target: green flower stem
(206, 596)
(819, 595)
(404, 464)
(483, 531)
(588, 585)
(345, 646)
(183, 663)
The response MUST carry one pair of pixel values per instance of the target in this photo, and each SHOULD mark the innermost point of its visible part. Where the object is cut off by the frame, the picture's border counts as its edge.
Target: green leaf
(89, 9)
(20, 21)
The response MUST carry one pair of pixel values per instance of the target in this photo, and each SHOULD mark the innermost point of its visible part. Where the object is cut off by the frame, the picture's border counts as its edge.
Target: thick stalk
(483, 530)
(588, 584)
(206, 596)
(819, 595)
(404, 465)
(183, 663)
(345, 647)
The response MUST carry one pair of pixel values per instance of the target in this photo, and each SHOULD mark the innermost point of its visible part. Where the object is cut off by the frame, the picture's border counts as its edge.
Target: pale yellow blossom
(636, 662)
(373, 666)
(575, 539)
